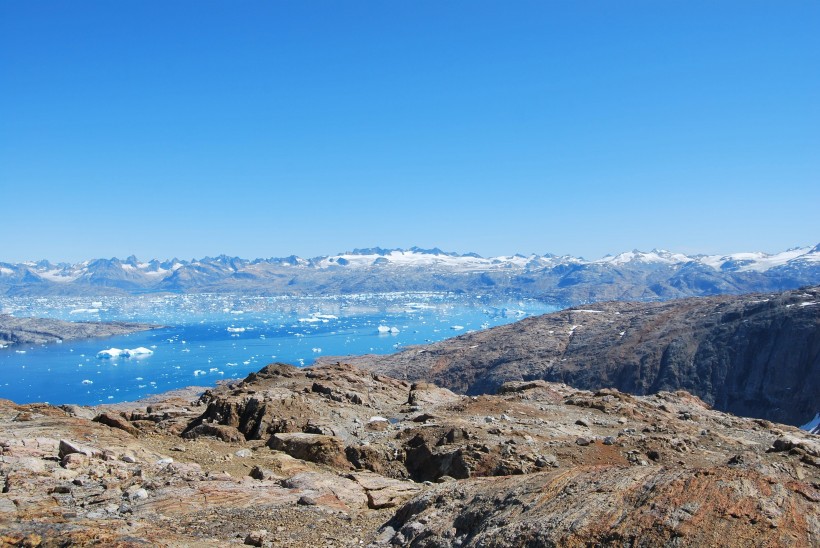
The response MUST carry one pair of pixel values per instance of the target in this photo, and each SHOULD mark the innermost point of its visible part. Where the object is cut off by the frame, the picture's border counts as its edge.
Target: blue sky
(274, 128)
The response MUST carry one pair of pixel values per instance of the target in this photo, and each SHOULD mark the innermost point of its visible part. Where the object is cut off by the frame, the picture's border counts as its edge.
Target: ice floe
(110, 353)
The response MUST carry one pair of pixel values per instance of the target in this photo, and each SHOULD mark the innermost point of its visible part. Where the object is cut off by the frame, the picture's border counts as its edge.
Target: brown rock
(218, 431)
(116, 421)
(316, 448)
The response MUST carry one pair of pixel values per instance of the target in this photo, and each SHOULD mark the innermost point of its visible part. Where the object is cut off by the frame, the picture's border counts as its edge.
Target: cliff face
(753, 355)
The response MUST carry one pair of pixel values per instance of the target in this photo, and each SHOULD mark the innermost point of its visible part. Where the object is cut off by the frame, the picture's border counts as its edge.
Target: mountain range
(566, 280)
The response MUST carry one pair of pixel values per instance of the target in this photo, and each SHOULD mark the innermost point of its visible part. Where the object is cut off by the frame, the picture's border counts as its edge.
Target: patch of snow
(813, 425)
(60, 276)
(659, 256)
(759, 262)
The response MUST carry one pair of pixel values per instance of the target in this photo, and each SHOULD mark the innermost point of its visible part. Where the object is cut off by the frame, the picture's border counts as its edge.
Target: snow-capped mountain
(632, 275)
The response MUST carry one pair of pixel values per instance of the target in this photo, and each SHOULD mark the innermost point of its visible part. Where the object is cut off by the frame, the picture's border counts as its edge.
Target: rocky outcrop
(611, 505)
(15, 330)
(753, 355)
(538, 464)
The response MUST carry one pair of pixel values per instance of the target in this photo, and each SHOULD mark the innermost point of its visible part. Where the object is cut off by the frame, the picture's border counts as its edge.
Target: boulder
(316, 448)
(116, 421)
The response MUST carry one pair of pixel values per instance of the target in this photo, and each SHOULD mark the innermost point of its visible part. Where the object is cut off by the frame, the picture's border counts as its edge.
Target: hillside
(753, 355)
(337, 456)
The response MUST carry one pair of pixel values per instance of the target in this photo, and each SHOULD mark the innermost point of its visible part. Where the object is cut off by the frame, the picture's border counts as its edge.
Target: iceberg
(383, 329)
(125, 353)
(110, 353)
(139, 351)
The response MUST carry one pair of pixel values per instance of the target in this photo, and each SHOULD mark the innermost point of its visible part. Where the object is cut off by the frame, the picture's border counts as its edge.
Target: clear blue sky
(193, 128)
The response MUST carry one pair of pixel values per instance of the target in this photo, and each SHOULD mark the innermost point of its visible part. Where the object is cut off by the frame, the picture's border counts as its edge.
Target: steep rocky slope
(337, 456)
(752, 355)
(15, 330)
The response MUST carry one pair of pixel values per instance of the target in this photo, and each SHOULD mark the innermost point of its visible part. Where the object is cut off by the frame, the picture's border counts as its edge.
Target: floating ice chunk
(85, 311)
(456, 327)
(139, 351)
(316, 350)
(236, 330)
(199, 372)
(394, 330)
(109, 353)
(20, 351)
(86, 381)
(310, 320)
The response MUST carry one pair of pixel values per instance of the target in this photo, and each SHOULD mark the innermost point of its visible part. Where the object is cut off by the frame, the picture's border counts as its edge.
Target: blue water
(213, 337)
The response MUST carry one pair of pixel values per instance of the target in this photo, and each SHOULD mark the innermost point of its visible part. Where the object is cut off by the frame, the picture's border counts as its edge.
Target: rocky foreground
(15, 331)
(338, 456)
(753, 355)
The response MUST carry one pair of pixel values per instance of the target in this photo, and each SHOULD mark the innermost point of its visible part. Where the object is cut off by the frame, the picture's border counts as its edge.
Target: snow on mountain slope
(759, 262)
(416, 259)
(636, 275)
(813, 425)
(655, 256)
